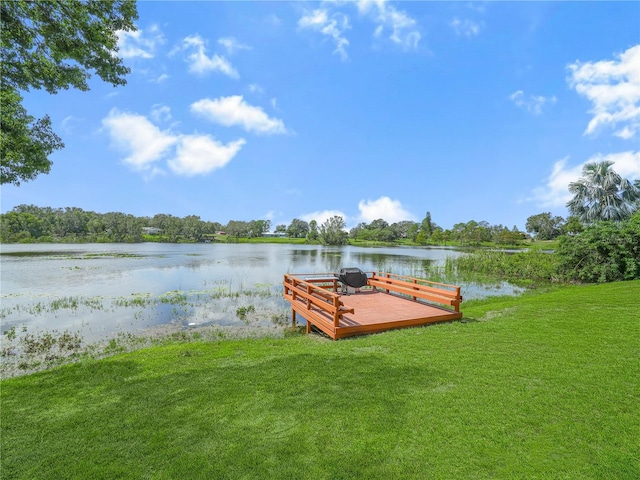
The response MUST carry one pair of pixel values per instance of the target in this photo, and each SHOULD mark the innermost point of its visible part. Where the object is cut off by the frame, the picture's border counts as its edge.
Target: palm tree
(602, 194)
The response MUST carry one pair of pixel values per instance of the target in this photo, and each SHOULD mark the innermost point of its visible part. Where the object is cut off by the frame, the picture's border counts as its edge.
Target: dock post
(293, 318)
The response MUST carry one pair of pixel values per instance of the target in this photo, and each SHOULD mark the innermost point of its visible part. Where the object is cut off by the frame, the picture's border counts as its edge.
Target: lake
(100, 290)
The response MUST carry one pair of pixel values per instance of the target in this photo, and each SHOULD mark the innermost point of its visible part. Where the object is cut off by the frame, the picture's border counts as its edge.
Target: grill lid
(353, 277)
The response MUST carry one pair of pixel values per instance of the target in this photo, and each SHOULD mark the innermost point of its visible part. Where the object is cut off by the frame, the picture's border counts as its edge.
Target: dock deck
(387, 302)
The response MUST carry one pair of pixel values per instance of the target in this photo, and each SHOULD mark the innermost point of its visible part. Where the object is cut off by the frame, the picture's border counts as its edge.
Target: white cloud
(139, 43)
(391, 23)
(161, 113)
(146, 145)
(200, 63)
(255, 88)
(389, 210)
(272, 215)
(332, 26)
(465, 27)
(403, 29)
(68, 123)
(200, 154)
(555, 191)
(233, 110)
(273, 20)
(160, 79)
(322, 216)
(232, 45)
(135, 134)
(626, 133)
(533, 104)
(613, 88)
(627, 164)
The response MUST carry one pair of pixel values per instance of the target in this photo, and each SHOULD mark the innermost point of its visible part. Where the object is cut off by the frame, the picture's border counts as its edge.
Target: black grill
(353, 277)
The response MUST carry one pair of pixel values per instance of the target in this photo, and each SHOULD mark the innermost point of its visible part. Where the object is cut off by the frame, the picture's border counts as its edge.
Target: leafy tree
(257, 227)
(171, 226)
(358, 231)
(412, 232)
(544, 226)
(281, 229)
(52, 45)
(237, 229)
(572, 226)
(426, 227)
(402, 228)
(20, 226)
(193, 228)
(378, 224)
(298, 228)
(387, 234)
(313, 231)
(602, 194)
(332, 231)
(605, 251)
(25, 143)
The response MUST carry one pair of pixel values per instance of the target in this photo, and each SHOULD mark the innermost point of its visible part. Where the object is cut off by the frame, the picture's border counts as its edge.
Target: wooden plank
(416, 293)
(417, 286)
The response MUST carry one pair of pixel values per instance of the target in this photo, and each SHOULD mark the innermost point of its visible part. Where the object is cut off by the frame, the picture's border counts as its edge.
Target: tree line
(30, 223)
(600, 195)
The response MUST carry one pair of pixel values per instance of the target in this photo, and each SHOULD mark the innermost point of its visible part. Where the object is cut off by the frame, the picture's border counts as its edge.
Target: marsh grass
(531, 267)
(535, 386)
(26, 349)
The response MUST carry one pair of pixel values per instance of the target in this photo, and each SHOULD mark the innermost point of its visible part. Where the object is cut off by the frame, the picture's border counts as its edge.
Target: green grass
(538, 386)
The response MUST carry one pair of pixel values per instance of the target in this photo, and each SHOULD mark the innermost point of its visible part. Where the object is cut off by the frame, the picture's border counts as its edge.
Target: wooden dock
(387, 302)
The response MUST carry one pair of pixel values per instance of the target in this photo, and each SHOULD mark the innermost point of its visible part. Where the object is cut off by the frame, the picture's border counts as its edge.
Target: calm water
(102, 289)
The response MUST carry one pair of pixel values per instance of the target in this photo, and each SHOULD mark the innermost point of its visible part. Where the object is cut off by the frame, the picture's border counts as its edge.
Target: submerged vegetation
(27, 349)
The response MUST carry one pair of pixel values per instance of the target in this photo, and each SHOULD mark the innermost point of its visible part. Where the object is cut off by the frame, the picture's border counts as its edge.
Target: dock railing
(316, 298)
(415, 288)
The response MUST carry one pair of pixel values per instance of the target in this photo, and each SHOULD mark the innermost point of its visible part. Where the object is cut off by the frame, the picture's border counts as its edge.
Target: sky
(370, 109)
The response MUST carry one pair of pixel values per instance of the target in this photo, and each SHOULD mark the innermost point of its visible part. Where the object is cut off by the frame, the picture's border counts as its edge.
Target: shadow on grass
(219, 417)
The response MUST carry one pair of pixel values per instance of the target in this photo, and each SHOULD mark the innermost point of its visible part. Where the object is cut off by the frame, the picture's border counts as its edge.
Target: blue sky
(282, 110)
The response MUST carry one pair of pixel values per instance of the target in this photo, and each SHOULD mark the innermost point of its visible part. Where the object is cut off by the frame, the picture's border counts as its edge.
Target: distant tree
(52, 45)
(332, 231)
(437, 236)
(313, 231)
(501, 235)
(572, 226)
(427, 226)
(237, 229)
(402, 228)
(171, 226)
(19, 227)
(387, 234)
(378, 224)
(298, 228)
(602, 194)
(257, 227)
(358, 231)
(115, 225)
(412, 232)
(544, 226)
(281, 229)
(193, 228)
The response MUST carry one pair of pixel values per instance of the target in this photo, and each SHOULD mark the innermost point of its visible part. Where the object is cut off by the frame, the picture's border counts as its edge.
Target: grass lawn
(540, 386)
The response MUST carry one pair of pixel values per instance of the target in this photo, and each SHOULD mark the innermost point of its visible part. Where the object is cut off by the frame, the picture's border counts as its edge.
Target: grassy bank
(539, 386)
